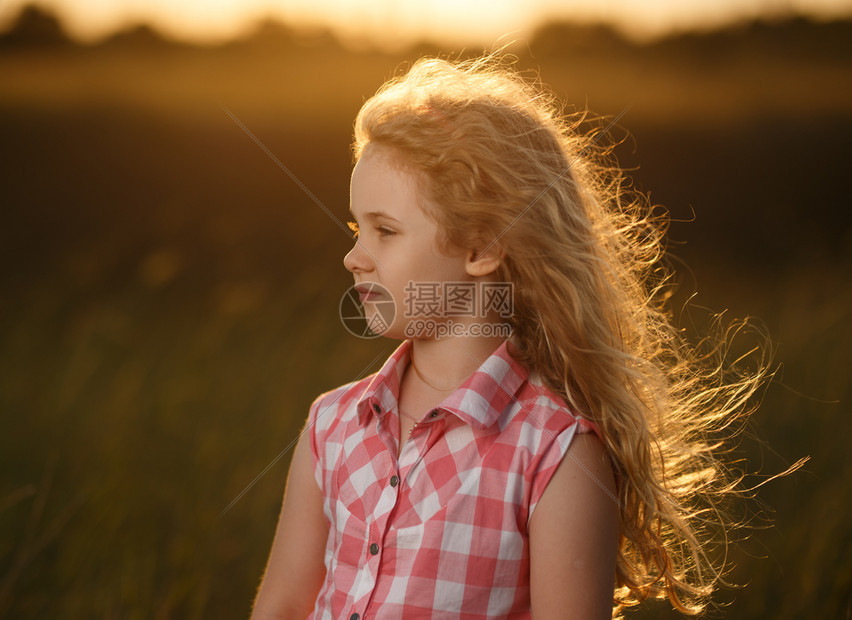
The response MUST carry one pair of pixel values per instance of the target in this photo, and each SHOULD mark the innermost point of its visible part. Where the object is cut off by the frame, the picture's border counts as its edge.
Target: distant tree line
(794, 36)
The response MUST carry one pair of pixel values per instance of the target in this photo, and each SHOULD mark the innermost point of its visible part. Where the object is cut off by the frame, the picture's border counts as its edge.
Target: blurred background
(169, 295)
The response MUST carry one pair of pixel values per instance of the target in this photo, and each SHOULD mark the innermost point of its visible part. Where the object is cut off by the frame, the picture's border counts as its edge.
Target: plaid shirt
(443, 529)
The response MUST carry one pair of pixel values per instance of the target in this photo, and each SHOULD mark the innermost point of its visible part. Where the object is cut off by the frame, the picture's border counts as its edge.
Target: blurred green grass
(169, 302)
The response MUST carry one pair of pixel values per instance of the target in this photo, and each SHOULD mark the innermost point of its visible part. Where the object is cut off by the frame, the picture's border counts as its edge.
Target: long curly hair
(501, 166)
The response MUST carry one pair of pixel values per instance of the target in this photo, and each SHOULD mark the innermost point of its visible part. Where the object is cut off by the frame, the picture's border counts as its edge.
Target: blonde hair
(501, 166)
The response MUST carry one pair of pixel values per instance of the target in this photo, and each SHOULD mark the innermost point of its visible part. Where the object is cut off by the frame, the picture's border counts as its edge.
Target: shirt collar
(478, 401)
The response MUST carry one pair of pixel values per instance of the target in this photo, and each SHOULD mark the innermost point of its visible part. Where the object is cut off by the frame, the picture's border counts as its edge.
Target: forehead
(381, 182)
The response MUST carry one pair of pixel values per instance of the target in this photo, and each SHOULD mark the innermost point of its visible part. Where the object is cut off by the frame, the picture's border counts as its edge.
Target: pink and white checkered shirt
(442, 531)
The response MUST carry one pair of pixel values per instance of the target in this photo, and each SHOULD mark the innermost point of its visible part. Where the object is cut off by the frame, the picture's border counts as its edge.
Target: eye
(353, 226)
(384, 231)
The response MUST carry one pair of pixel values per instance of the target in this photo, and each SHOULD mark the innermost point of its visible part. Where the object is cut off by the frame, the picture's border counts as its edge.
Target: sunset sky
(399, 21)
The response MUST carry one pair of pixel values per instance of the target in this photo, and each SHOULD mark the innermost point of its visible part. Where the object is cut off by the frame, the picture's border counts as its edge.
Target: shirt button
(376, 408)
(374, 549)
(354, 617)
(394, 481)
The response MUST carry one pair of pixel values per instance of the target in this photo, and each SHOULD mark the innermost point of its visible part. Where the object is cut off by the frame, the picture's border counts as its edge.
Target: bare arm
(574, 533)
(295, 571)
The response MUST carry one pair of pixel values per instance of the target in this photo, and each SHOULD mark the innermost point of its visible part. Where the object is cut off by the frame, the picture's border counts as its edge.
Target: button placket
(416, 448)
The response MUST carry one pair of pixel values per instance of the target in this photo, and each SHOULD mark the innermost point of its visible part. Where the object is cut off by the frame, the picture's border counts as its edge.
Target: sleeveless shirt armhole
(562, 444)
(550, 460)
(590, 427)
(584, 426)
(311, 430)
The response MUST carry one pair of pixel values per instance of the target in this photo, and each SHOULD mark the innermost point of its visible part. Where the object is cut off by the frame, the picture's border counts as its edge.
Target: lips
(368, 292)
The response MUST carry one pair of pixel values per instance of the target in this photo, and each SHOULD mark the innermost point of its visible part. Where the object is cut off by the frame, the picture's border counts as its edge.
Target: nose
(358, 259)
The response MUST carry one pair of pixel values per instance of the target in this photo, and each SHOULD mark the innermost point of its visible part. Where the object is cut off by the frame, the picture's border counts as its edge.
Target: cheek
(447, 268)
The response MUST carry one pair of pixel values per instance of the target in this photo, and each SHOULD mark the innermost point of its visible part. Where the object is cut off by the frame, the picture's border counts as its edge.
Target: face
(397, 243)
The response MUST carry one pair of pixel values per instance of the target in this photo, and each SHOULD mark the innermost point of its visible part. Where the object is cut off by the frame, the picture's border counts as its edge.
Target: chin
(395, 331)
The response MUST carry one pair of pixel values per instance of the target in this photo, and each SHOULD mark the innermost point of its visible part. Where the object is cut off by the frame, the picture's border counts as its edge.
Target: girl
(562, 472)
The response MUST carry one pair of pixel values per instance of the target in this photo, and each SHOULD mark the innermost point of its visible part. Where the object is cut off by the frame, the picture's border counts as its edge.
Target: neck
(444, 364)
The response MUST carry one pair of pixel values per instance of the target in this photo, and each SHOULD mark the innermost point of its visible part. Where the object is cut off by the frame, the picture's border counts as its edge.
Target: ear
(485, 263)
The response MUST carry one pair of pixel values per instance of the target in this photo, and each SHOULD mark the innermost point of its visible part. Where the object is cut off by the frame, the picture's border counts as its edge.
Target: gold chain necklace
(416, 422)
(429, 383)
(432, 414)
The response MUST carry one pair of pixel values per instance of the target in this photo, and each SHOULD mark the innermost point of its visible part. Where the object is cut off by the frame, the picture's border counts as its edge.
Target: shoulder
(543, 412)
(549, 433)
(328, 405)
(332, 412)
(330, 421)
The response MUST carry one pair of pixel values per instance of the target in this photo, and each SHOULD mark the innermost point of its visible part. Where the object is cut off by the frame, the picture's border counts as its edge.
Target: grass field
(169, 299)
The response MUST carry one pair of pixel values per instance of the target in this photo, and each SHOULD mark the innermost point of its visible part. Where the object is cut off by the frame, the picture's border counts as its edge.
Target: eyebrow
(375, 215)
